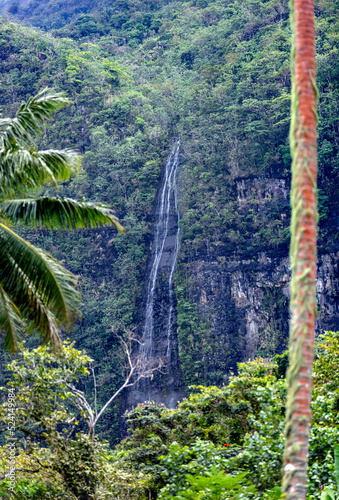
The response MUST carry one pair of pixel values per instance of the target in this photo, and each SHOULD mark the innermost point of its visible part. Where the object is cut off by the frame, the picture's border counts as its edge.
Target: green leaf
(9, 320)
(328, 494)
(58, 213)
(22, 169)
(30, 117)
(40, 286)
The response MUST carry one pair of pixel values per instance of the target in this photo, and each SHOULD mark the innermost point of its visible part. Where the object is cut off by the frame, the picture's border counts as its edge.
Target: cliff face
(243, 301)
(251, 297)
(228, 306)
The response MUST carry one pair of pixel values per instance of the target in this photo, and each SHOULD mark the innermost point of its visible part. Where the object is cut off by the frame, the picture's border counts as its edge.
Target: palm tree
(36, 292)
(303, 253)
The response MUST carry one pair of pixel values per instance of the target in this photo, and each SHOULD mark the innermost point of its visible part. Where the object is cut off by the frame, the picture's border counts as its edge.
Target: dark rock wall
(236, 306)
(255, 292)
(244, 300)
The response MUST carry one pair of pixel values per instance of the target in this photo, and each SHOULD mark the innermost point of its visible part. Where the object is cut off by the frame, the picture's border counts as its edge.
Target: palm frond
(40, 286)
(22, 169)
(9, 321)
(30, 117)
(57, 213)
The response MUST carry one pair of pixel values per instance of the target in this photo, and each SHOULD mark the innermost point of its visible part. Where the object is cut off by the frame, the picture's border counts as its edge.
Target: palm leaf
(56, 213)
(40, 286)
(9, 320)
(22, 169)
(34, 284)
(328, 494)
(30, 117)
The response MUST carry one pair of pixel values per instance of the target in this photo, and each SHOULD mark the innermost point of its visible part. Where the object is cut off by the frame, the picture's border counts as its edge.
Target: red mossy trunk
(303, 250)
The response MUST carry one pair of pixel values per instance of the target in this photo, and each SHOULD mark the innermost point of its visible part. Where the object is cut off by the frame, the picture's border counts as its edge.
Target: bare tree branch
(95, 392)
(137, 367)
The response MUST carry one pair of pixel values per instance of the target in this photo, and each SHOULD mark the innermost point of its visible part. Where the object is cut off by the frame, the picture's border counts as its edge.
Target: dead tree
(135, 367)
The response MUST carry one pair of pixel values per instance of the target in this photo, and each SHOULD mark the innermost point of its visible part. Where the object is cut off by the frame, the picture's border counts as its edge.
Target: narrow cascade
(164, 254)
(159, 332)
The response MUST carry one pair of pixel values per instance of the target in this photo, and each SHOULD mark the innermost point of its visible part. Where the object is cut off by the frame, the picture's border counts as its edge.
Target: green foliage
(262, 449)
(213, 485)
(282, 364)
(329, 493)
(34, 287)
(33, 490)
(139, 74)
(324, 431)
(209, 429)
(192, 329)
(42, 380)
(216, 436)
(326, 369)
(201, 458)
(206, 479)
(50, 411)
(238, 428)
(46, 420)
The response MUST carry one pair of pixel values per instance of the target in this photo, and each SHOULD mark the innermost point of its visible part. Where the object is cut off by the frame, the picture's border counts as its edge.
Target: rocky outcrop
(244, 298)
(256, 292)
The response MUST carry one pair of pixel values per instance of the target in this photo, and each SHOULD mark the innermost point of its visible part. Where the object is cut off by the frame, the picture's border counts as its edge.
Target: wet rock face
(166, 387)
(243, 298)
(251, 297)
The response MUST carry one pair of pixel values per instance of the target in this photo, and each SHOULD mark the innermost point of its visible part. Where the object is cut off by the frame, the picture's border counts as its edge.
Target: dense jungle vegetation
(140, 74)
(221, 443)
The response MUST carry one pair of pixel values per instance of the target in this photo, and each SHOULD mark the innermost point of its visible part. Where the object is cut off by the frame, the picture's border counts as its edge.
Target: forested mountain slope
(94, 18)
(215, 73)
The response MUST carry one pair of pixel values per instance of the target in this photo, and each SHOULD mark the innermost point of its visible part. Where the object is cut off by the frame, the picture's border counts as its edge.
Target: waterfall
(164, 253)
(159, 338)
(174, 260)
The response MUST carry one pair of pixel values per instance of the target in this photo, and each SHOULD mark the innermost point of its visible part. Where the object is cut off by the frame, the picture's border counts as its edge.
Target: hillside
(216, 74)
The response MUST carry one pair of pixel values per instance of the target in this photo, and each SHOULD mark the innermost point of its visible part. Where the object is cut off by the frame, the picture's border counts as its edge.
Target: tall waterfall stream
(164, 252)
(159, 335)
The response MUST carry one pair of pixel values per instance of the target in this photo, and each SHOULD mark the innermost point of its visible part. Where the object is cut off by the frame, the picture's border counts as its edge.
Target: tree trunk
(303, 143)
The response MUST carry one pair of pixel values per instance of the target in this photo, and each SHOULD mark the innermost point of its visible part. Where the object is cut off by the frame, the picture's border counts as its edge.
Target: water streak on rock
(164, 252)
